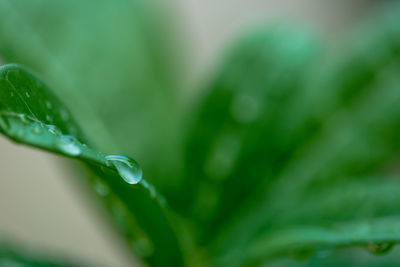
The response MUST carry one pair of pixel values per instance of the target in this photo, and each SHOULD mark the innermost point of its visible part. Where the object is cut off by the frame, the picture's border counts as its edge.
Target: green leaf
(92, 51)
(376, 235)
(354, 198)
(12, 255)
(238, 135)
(350, 143)
(31, 114)
(334, 139)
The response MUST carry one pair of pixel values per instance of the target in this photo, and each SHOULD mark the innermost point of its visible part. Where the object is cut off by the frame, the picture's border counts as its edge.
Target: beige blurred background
(42, 207)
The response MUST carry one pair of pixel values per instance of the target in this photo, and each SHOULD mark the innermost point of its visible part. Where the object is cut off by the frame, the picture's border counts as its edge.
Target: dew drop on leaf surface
(36, 129)
(127, 168)
(23, 118)
(54, 129)
(64, 114)
(48, 104)
(69, 145)
(101, 188)
(380, 248)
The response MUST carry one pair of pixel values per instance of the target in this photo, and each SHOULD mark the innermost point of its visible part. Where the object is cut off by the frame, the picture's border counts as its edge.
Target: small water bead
(245, 108)
(323, 253)
(223, 155)
(380, 248)
(127, 168)
(143, 247)
(69, 145)
(64, 114)
(101, 188)
(149, 187)
(53, 129)
(73, 130)
(36, 128)
(23, 118)
(20, 132)
(27, 95)
(48, 104)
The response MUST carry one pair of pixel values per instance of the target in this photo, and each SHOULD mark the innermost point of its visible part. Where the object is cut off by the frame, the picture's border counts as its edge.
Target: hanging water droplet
(12, 93)
(48, 118)
(127, 168)
(380, 248)
(53, 129)
(48, 104)
(69, 145)
(27, 95)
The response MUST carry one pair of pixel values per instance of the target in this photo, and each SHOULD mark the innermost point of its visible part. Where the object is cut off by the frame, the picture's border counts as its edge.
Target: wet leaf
(30, 114)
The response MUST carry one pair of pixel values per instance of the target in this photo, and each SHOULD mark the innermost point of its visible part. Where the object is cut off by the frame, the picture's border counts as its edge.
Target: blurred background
(66, 221)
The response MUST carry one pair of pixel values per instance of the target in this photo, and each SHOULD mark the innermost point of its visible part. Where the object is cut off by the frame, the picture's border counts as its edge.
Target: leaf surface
(31, 114)
(378, 236)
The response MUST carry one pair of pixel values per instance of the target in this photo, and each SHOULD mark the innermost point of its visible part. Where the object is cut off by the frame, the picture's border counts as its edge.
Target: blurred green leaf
(358, 137)
(236, 140)
(378, 236)
(31, 114)
(351, 199)
(16, 256)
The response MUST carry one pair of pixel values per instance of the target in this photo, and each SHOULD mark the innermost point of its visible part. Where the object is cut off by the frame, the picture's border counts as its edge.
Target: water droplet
(73, 130)
(23, 118)
(64, 114)
(380, 248)
(324, 253)
(53, 129)
(36, 128)
(20, 132)
(222, 159)
(69, 145)
(127, 168)
(48, 104)
(149, 187)
(27, 95)
(101, 188)
(245, 108)
(12, 93)
(143, 247)
(48, 118)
